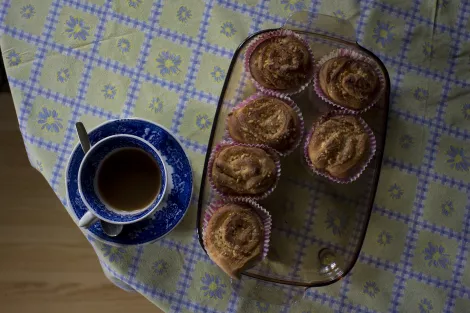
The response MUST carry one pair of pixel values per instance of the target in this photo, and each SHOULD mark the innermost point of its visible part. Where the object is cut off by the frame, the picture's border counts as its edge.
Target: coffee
(128, 179)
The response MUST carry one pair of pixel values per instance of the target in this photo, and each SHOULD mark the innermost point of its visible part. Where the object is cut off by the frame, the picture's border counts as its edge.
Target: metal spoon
(112, 230)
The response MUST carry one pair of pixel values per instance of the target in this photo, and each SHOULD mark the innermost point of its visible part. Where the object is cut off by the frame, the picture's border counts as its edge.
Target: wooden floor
(46, 265)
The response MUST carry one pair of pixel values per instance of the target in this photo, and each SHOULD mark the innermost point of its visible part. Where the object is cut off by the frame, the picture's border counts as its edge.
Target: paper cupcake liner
(273, 153)
(254, 44)
(357, 56)
(286, 100)
(262, 213)
(360, 169)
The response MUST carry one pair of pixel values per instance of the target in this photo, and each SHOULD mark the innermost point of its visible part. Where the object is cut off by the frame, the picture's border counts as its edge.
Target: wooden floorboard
(46, 265)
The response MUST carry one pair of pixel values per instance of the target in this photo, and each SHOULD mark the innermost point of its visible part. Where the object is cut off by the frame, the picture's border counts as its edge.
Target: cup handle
(87, 220)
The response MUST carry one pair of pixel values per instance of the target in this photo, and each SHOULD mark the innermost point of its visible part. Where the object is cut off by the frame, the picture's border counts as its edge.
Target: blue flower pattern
(50, 120)
(293, 5)
(14, 59)
(168, 63)
(262, 307)
(228, 29)
(134, 3)
(336, 223)
(383, 33)
(39, 166)
(63, 75)
(183, 14)
(27, 11)
(371, 289)
(420, 94)
(436, 256)
(124, 45)
(114, 254)
(109, 91)
(447, 208)
(218, 74)
(160, 267)
(457, 159)
(384, 238)
(395, 192)
(156, 105)
(203, 121)
(212, 287)
(339, 15)
(406, 141)
(77, 28)
(425, 306)
(428, 49)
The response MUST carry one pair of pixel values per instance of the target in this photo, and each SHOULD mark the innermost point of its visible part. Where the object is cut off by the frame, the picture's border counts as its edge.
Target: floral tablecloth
(71, 60)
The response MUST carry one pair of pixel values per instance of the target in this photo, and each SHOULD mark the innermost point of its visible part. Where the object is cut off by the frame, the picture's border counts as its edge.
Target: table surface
(93, 61)
(46, 265)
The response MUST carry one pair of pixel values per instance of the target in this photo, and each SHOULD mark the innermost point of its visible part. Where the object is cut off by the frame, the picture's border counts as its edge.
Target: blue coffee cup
(97, 207)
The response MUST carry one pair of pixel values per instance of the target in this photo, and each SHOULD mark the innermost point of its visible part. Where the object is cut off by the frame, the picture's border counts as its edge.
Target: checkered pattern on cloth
(70, 60)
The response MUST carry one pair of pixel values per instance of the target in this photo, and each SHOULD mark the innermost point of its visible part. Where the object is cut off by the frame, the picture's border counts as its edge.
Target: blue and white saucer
(179, 191)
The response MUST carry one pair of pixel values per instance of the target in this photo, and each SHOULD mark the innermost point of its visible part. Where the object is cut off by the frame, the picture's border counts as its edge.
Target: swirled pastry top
(234, 238)
(338, 145)
(265, 120)
(240, 170)
(281, 63)
(349, 82)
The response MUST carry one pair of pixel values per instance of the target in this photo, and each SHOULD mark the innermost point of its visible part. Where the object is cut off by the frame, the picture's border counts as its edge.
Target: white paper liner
(262, 213)
(273, 153)
(357, 56)
(286, 100)
(254, 44)
(360, 169)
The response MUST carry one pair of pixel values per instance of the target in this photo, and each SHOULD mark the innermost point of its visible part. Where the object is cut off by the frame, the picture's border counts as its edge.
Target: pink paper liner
(254, 44)
(357, 56)
(360, 170)
(262, 213)
(273, 153)
(286, 100)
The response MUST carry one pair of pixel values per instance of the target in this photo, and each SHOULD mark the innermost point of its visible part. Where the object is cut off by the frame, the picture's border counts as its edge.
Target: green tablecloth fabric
(166, 61)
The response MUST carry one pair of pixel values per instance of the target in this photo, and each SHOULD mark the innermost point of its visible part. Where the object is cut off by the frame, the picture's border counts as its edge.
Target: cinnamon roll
(281, 63)
(265, 120)
(234, 238)
(338, 145)
(243, 171)
(348, 82)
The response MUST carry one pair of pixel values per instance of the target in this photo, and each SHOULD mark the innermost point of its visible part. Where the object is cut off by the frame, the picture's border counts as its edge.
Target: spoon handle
(83, 136)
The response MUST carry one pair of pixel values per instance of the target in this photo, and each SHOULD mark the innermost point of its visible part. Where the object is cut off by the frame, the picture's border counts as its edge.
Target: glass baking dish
(318, 226)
